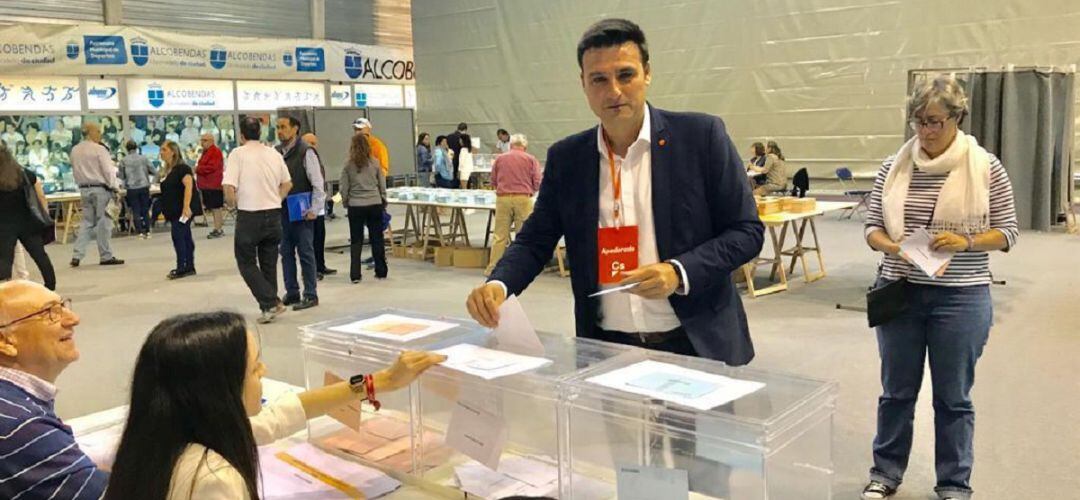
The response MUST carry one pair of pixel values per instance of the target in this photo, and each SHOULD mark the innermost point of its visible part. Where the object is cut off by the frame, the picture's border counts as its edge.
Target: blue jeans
(950, 325)
(96, 222)
(183, 245)
(298, 238)
(138, 201)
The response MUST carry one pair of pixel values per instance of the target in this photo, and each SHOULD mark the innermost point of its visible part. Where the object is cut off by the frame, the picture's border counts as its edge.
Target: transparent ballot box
(365, 343)
(752, 435)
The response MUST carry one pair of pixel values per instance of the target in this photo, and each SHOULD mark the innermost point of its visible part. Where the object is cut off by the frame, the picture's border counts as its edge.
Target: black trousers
(256, 247)
(35, 246)
(370, 217)
(320, 244)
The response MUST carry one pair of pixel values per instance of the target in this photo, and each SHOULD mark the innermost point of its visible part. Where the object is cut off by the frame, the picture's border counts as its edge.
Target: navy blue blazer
(705, 218)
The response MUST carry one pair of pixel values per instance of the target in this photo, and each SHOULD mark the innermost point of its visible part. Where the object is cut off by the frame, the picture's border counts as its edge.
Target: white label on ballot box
(668, 382)
(652, 483)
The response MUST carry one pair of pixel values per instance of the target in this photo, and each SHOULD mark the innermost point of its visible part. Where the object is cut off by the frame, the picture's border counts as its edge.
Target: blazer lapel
(590, 219)
(662, 175)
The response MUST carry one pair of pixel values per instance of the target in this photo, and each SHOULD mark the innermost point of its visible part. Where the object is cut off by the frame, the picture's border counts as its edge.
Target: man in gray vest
(297, 238)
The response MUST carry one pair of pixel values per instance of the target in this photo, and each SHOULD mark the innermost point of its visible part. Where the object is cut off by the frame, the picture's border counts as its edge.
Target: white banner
(379, 96)
(256, 95)
(39, 94)
(37, 49)
(341, 96)
(103, 95)
(147, 94)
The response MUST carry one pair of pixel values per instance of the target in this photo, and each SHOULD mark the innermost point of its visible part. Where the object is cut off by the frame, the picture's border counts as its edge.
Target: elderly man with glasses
(38, 454)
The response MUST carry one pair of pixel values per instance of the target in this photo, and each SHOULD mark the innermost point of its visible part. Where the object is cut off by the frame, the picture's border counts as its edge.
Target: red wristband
(369, 385)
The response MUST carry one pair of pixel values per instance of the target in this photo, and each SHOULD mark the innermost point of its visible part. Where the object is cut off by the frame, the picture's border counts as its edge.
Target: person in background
(108, 129)
(298, 237)
(95, 175)
(363, 193)
(38, 155)
(208, 172)
(503, 143)
(177, 196)
(197, 389)
(170, 133)
(11, 136)
(256, 181)
(757, 160)
(320, 222)
(424, 159)
(457, 140)
(136, 171)
(943, 181)
(465, 166)
(17, 225)
(190, 134)
(60, 135)
(774, 169)
(37, 342)
(444, 168)
(516, 178)
(378, 147)
(32, 132)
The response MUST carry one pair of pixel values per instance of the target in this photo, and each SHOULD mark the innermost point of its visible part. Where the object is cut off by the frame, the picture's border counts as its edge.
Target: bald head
(41, 340)
(311, 140)
(92, 131)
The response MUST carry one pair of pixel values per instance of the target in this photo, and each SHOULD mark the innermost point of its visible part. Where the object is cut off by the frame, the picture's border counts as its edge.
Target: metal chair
(847, 182)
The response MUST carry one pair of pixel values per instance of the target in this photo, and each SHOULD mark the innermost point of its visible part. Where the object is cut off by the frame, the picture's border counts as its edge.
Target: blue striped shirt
(38, 455)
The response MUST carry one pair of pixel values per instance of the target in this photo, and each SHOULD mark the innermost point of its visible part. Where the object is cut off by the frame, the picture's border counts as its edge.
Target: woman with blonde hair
(942, 182)
(177, 195)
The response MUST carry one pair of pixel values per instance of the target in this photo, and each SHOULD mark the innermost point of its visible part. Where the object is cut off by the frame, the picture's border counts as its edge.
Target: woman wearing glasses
(944, 182)
(197, 390)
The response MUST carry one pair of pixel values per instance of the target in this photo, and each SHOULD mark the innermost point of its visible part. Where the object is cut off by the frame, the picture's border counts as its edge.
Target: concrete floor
(1027, 395)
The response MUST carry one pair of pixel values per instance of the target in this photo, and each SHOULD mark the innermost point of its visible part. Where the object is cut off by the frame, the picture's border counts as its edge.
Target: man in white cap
(378, 148)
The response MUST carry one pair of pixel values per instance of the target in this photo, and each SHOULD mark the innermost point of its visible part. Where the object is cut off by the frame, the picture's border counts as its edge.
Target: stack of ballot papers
(523, 476)
(305, 471)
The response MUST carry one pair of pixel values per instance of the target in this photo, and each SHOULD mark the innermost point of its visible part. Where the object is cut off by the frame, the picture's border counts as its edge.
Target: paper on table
(668, 382)
(477, 429)
(394, 327)
(524, 476)
(488, 364)
(515, 332)
(650, 483)
(306, 470)
(917, 249)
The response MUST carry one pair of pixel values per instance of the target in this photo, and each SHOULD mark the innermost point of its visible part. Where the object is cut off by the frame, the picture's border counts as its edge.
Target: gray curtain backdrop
(1025, 117)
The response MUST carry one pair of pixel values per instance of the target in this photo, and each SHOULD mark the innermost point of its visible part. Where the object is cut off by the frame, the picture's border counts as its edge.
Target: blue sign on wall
(354, 64)
(140, 51)
(287, 59)
(310, 59)
(105, 49)
(156, 95)
(218, 56)
(73, 50)
(361, 99)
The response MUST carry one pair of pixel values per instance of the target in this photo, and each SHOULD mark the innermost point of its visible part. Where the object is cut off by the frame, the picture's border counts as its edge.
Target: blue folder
(298, 205)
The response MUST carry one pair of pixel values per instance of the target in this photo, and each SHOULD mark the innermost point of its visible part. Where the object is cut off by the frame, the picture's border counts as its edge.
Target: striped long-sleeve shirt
(966, 268)
(38, 455)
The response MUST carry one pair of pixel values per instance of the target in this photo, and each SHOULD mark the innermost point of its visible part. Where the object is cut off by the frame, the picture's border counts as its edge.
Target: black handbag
(39, 215)
(886, 302)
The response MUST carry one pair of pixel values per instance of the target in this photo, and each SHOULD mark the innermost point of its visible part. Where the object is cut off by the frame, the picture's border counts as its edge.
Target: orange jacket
(379, 152)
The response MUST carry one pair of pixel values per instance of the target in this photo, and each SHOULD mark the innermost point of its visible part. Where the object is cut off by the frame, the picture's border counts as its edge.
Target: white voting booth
(569, 418)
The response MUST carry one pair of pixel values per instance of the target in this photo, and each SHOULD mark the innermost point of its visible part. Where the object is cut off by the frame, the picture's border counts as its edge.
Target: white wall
(825, 78)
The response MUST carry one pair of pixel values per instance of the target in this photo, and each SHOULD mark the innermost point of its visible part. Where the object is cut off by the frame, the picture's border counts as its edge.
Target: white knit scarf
(963, 206)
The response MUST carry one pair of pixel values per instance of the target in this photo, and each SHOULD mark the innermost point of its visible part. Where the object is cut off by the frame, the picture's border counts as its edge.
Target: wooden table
(70, 212)
(424, 224)
(797, 224)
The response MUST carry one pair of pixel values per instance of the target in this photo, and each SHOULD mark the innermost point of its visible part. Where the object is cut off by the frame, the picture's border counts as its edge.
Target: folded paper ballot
(668, 382)
(488, 364)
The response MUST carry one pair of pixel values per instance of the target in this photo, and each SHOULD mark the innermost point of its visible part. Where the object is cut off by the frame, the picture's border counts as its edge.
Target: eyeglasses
(931, 125)
(54, 313)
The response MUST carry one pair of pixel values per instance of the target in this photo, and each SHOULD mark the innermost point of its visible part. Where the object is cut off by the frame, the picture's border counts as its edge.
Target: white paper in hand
(515, 332)
(918, 250)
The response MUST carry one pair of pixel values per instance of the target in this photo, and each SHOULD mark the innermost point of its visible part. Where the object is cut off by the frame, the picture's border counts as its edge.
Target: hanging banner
(255, 95)
(410, 96)
(39, 94)
(341, 96)
(379, 96)
(147, 94)
(102, 95)
(38, 49)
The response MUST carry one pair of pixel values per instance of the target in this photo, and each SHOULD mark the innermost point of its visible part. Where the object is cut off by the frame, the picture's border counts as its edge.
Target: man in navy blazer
(681, 187)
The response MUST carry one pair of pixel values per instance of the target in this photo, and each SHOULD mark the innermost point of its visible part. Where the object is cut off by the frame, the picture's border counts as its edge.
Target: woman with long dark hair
(363, 192)
(16, 221)
(195, 417)
(424, 160)
(177, 193)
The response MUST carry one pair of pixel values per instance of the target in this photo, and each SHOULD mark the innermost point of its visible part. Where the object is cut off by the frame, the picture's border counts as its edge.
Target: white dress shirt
(256, 171)
(92, 165)
(626, 312)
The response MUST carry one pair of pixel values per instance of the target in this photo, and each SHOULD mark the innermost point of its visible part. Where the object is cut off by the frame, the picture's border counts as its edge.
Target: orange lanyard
(616, 182)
